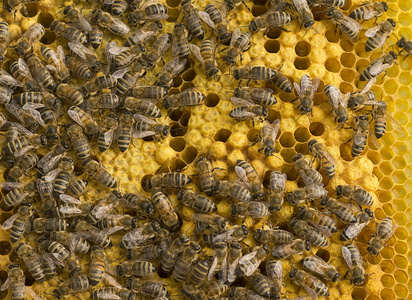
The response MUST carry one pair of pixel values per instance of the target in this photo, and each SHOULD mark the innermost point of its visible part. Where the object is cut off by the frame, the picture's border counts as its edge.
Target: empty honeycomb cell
(386, 183)
(286, 140)
(324, 254)
(373, 297)
(173, 14)
(400, 261)
(405, 64)
(48, 37)
(189, 75)
(347, 75)
(302, 134)
(361, 65)
(332, 36)
(405, 78)
(405, 5)
(31, 9)
(388, 139)
(302, 63)
(290, 171)
(189, 155)
(401, 276)
(45, 19)
(177, 130)
(4, 216)
(358, 293)
(387, 294)
(186, 85)
(345, 87)
(5, 248)
(272, 46)
(386, 167)
(387, 266)
(332, 65)
(301, 148)
(253, 135)
(316, 128)
(318, 99)
(360, 50)
(222, 135)
(287, 155)
(388, 281)
(302, 48)
(257, 10)
(400, 149)
(388, 209)
(273, 33)
(345, 152)
(177, 144)
(175, 114)
(318, 14)
(177, 82)
(173, 3)
(374, 156)
(387, 153)
(212, 100)
(401, 247)
(347, 60)
(346, 45)
(184, 119)
(273, 115)
(400, 204)
(404, 93)
(401, 291)
(387, 253)
(393, 72)
(399, 190)
(400, 219)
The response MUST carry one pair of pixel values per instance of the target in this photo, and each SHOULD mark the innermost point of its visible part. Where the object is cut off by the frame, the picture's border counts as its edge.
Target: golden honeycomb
(209, 131)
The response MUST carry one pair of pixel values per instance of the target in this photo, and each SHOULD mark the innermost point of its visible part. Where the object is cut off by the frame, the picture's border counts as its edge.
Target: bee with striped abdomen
(191, 16)
(249, 176)
(169, 71)
(21, 72)
(31, 36)
(88, 56)
(171, 180)
(112, 292)
(68, 32)
(353, 259)
(369, 10)
(77, 18)
(306, 91)
(357, 100)
(380, 115)
(250, 262)
(139, 235)
(326, 159)
(79, 141)
(383, 233)
(78, 68)
(180, 44)
(24, 164)
(284, 251)
(165, 209)
(19, 222)
(18, 192)
(145, 127)
(32, 261)
(338, 103)
(347, 25)
(273, 18)
(98, 173)
(315, 218)
(216, 19)
(107, 132)
(378, 66)
(95, 36)
(352, 231)
(15, 282)
(254, 209)
(206, 56)
(40, 72)
(378, 35)
(139, 268)
(304, 12)
(341, 211)
(148, 11)
(306, 171)
(56, 62)
(320, 267)
(77, 284)
(327, 3)
(152, 289)
(232, 189)
(308, 233)
(311, 284)
(360, 137)
(277, 236)
(246, 110)
(84, 119)
(107, 21)
(239, 42)
(196, 201)
(355, 193)
(261, 284)
(307, 194)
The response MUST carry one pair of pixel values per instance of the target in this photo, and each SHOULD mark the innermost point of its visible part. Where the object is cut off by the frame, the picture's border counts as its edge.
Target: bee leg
(346, 274)
(257, 139)
(247, 7)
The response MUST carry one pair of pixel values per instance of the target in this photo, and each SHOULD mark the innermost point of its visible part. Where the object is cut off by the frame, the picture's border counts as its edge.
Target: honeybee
(112, 292)
(378, 35)
(326, 159)
(68, 32)
(216, 19)
(327, 3)
(262, 285)
(308, 233)
(79, 142)
(39, 72)
(196, 201)
(356, 193)
(88, 56)
(144, 127)
(139, 235)
(108, 221)
(197, 274)
(83, 119)
(31, 120)
(304, 12)
(260, 96)
(246, 110)
(18, 223)
(170, 70)
(124, 56)
(107, 21)
(380, 114)
(165, 208)
(384, 232)
(360, 137)
(70, 93)
(378, 66)
(235, 234)
(205, 174)
(320, 221)
(277, 236)
(142, 106)
(32, 261)
(98, 262)
(41, 225)
(369, 10)
(353, 259)
(4, 31)
(148, 11)
(243, 293)
(347, 25)
(76, 187)
(135, 268)
(119, 7)
(152, 289)
(277, 188)
(104, 206)
(49, 265)
(171, 254)
(270, 19)
(149, 92)
(5, 98)
(365, 97)
(250, 262)
(404, 45)
(214, 222)
(106, 135)
(219, 262)
(25, 163)
(171, 180)
(206, 56)
(128, 77)
(158, 49)
(15, 282)
(21, 72)
(254, 73)
(320, 267)
(312, 285)
(98, 173)
(274, 271)
(253, 209)
(78, 68)
(340, 210)
(125, 131)
(183, 99)
(268, 136)
(189, 255)
(306, 171)
(18, 192)
(31, 36)
(286, 250)
(103, 101)
(61, 176)
(56, 62)
(94, 235)
(191, 16)
(339, 104)
(62, 255)
(77, 284)
(232, 189)
(73, 241)
(239, 42)
(78, 19)
(210, 291)
(351, 231)
(306, 91)
(95, 36)
(143, 33)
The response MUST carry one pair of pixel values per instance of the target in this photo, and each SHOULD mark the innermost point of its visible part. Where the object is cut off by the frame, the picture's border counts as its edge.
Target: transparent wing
(5, 285)
(241, 102)
(143, 134)
(326, 154)
(297, 88)
(206, 18)
(353, 230)
(235, 35)
(121, 72)
(311, 292)
(316, 265)
(9, 222)
(323, 229)
(70, 210)
(224, 237)
(136, 236)
(52, 175)
(110, 280)
(276, 127)
(7, 79)
(315, 85)
(347, 256)
(139, 117)
(108, 136)
(350, 23)
(368, 85)
(378, 67)
(109, 231)
(334, 95)
(23, 68)
(212, 269)
(231, 270)
(48, 162)
(242, 174)
(75, 117)
(196, 53)
(247, 257)
(80, 49)
(372, 31)
(277, 273)
(11, 185)
(83, 23)
(119, 26)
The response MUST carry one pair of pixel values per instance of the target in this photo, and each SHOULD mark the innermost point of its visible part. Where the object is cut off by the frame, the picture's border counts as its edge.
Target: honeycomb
(385, 171)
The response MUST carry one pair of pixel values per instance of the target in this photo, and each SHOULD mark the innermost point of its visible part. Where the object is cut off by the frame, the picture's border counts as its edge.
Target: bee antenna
(391, 9)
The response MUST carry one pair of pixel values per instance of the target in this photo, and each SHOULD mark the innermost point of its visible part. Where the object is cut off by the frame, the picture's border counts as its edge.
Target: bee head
(96, 14)
(329, 12)
(339, 190)
(311, 143)
(67, 9)
(128, 284)
(75, 223)
(293, 272)
(119, 270)
(155, 226)
(336, 277)
(401, 43)
(269, 151)
(309, 24)
(392, 22)
(324, 201)
(245, 230)
(297, 156)
(369, 212)
(342, 119)
(180, 195)
(166, 131)
(393, 54)
(225, 36)
(291, 199)
(57, 294)
(372, 250)
(180, 25)
(385, 6)
(307, 244)
(305, 109)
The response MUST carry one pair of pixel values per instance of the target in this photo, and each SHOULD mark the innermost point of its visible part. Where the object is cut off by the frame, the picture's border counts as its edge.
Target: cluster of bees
(51, 226)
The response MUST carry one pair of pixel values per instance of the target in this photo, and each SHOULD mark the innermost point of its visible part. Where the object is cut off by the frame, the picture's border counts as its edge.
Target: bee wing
(326, 154)
(315, 85)
(369, 14)
(347, 256)
(5, 285)
(119, 26)
(121, 72)
(323, 229)
(212, 269)
(23, 68)
(48, 162)
(241, 102)
(108, 135)
(141, 135)
(196, 53)
(113, 49)
(7, 79)
(70, 210)
(139, 117)
(372, 31)
(14, 110)
(235, 35)
(276, 127)
(224, 270)
(136, 236)
(9, 222)
(319, 266)
(11, 185)
(80, 49)
(297, 88)
(353, 230)
(206, 18)
(23, 151)
(69, 199)
(334, 95)
(109, 231)
(307, 180)
(276, 273)
(42, 187)
(350, 23)
(247, 257)
(148, 3)
(368, 85)
(241, 173)
(83, 23)
(277, 183)
(374, 140)
(110, 280)
(52, 175)
(224, 236)
(231, 270)
(376, 68)
(35, 114)
(75, 117)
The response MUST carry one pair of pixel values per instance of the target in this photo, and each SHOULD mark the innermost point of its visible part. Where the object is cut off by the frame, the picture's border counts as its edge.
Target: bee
(5, 98)
(119, 7)
(148, 11)
(103, 101)
(284, 251)
(165, 208)
(107, 21)
(308, 233)
(68, 32)
(254, 73)
(306, 171)
(183, 99)
(353, 259)
(239, 42)
(97, 265)
(18, 223)
(243, 293)
(125, 131)
(112, 292)
(306, 91)
(4, 31)
(152, 289)
(380, 115)
(250, 262)
(21, 72)
(216, 19)
(351, 231)
(320, 221)
(31, 120)
(62, 176)
(77, 284)
(158, 49)
(235, 234)
(253, 209)
(144, 127)
(365, 97)
(340, 210)
(212, 221)
(232, 189)
(98, 173)
(192, 19)
(143, 33)
(384, 232)
(41, 225)
(106, 135)
(327, 3)
(25, 163)
(369, 10)
(31, 36)
(74, 241)
(170, 70)
(262, 285)
(219, 260)
(149, 92)
(210, 291)
(83, 119)
(378, 66)
(40, 72)
(339, 105)
(312, 285)
(79, 141)
(360, 136)
(95, 36)
(304, 12)
(348, 26)
(142, 106)
(77, 18)
(76, 187)
(103, 207)
(404, 46)
(3, 118)
(18, 192)
(206, 56)
(70, 93)
(378, 35)
(15, 282)
(49, 161)
(139, 235)
(171, 180)
(277, 236)
(78, 68)
(49, 265)
(246, 109)
(68, 210)
(135, 268)
(270, 19)
(183, 264)
(171, 254)
(355, 193)
(320, 267)
(149, 252)
(196, 201)
(94, 235)
(125, 56)
(56, 62)
(274, 271)
(282, 82)
(108, 221)
(88, 57)
(277, 188)
(32, 261)
(326, 159)
(260, 96)
(267, 137)
(206, 178)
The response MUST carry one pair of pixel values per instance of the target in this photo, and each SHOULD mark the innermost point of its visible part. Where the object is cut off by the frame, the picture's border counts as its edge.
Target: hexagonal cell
(273, 115)
(287, 140)
(387, 153)
(5, 248)
(177, 81)
(316, 128)
(400, 261)
(289, 170)
(400, 219)
(386, 183)
(301, 148)
(45, 19)
(173, 3)
(401, 291)
(404, 93)
(175, 114)
(401, 276)
(324, 254)
(302, 63)
(358, 293)
(189, 155)
(386, 167)
(222, 135)
(346, 152)
(186, 85)
(390, 86)
(184, 119)
(257, 10)
(332, 65)
(302, 134)
(373, 156)
(302, 48)
(345, 87)
(287, 155)
(332, 36)
(387, 294)
(401, 233)
(401, 247)
(387, 266)
(387, 253)
(189, 75)
(346, 45)
(273, 33)
(177, 144)
(173, 15)
(360, 50)
(212, 100)
(347, 75)
(388, 281)
(272, 46)
(253, 135)
(177, 130)
(31, 10)
(48, 37)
